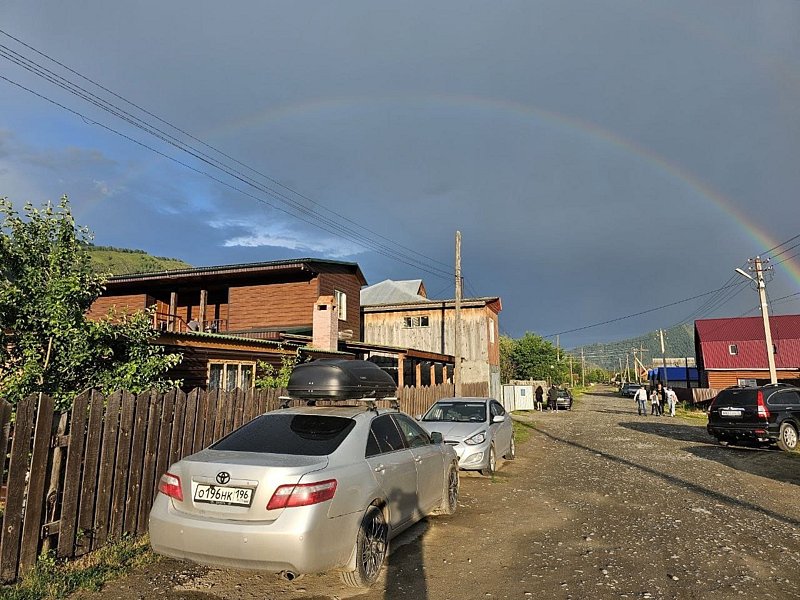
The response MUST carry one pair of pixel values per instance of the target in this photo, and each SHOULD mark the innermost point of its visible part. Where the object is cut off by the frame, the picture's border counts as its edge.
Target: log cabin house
(225, 319)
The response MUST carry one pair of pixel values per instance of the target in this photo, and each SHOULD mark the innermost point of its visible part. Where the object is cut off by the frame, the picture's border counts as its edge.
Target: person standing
(672, 398)
(661, 391)
(641, 400)
(654, 403)
(539, 397)
(552, 397)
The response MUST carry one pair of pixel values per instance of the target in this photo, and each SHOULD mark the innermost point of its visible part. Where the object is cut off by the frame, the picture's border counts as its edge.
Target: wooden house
(398, 313)
(733, 351)
(224, 319)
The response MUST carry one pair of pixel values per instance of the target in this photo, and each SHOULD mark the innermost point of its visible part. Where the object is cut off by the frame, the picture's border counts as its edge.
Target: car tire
(372, 547)
(512, 450)
(492, 466)
(450, 500)
(787, 437)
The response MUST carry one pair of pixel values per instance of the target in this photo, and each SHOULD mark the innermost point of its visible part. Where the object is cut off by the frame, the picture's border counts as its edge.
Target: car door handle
(380, 469)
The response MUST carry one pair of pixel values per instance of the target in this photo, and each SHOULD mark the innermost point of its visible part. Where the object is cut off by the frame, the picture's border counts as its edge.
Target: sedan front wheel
(492, 466)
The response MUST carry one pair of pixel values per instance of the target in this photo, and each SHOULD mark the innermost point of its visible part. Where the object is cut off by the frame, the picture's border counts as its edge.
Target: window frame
(409, 322)
(226, 365)
(733, 349)
(341, 303)
(421, 434)
(402, 437)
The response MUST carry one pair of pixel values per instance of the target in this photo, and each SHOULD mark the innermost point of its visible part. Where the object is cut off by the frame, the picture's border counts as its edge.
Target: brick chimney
(325, 334)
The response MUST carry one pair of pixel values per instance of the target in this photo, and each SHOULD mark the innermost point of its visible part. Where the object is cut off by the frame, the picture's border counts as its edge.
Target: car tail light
(170, 485)
(763, 411)
(302, 494)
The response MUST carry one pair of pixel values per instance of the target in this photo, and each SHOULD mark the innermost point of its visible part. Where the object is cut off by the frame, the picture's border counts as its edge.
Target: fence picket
(136, 462)
(34, 501)
(200, 424)
(17, 471)
(89, 491)
(189, 421)
(211, 413)
(155, 403)
(164, 437)
(219, 418)
(105, 478)
(122, 465)
(72, 476)
(176, 439)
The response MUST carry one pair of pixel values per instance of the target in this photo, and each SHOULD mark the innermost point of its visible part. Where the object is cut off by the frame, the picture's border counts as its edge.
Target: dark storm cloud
(592, 153)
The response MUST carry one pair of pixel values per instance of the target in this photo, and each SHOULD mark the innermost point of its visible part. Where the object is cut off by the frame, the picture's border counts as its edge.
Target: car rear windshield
(306, 435)
(739, 397)
(456, 411)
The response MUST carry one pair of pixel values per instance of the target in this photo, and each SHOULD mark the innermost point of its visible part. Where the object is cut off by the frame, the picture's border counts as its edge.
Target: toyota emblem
(223, 477)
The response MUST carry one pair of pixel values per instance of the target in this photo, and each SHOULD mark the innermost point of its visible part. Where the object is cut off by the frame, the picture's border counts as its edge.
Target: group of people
(661, 398)
(552, 398)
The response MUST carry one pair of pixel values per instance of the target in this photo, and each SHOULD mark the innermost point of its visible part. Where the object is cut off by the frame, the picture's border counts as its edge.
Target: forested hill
(679, 342)
(122, 261)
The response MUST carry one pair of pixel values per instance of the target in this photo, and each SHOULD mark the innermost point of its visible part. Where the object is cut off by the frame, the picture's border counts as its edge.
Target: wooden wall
(131, 303)
(723, 379)
(272, 305)
(347, 283)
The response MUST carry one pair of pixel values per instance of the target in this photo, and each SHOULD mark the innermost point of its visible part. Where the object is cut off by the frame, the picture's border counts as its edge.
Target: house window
(733, 349)
(746, 382)
(491, 332)
(228, 376)
(411, 322)
(341, 302)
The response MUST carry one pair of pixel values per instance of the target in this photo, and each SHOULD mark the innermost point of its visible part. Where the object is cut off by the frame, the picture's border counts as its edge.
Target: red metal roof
(715, 336)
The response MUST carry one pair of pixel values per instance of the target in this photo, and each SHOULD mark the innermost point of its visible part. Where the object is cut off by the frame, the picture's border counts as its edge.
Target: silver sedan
(478, 428)
(305, 490)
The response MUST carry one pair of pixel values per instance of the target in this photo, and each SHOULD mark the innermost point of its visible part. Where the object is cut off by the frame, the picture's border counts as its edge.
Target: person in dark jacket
(552, 397)
(539, 398)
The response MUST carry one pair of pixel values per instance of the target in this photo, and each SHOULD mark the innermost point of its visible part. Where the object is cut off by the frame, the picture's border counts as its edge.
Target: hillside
(122, 261)
(679, 341)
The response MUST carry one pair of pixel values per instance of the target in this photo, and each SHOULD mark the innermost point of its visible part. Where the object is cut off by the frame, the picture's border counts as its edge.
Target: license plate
(730, 413)
(230, 496)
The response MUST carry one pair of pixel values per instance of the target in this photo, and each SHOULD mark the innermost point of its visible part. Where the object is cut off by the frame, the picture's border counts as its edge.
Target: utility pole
(762, 295)
(627, 367)
(663, 357)
(620, 366)
(558, 349)
(457, 349)
(583, 368)
(571, 377)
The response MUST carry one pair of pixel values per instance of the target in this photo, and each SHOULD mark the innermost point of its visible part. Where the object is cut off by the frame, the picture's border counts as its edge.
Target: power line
(637, 314)
(339, 230)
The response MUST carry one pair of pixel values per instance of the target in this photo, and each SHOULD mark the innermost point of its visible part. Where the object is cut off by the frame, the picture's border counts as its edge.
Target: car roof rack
(394, 401)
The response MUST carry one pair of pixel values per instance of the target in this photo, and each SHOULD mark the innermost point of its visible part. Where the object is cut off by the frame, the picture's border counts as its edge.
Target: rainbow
(761, 238)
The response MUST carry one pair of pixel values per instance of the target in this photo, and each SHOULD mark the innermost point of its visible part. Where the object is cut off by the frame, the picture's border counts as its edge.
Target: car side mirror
(418, 417)
(436, 438)
(498, 418)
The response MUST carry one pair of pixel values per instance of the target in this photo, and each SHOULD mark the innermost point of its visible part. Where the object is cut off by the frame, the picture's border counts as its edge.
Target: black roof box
(334, 379)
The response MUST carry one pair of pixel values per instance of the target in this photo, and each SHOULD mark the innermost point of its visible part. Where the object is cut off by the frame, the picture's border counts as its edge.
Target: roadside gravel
(600, 503)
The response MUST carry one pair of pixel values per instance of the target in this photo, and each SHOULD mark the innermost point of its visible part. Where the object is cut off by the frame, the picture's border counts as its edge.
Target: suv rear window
(736, 397)
(303, 435)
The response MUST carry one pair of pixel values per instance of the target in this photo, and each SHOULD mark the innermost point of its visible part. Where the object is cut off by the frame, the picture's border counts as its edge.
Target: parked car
(477, 428)
(629, 389)
(563, 399)
(768, 414)
(305, 490)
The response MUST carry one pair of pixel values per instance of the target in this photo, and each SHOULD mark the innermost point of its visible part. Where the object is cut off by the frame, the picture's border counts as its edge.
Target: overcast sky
(600, 157)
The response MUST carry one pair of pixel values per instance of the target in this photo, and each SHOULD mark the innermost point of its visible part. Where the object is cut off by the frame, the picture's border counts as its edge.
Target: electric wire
(341, 231)
(207, 174)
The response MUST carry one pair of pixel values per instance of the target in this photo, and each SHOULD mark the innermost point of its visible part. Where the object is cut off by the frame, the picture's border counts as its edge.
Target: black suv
(765, 414)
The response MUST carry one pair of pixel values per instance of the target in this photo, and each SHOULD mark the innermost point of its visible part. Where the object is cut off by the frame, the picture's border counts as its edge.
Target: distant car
(768, 414)
(564, 399)
(308, 489)
(629, 389)
(477, 428)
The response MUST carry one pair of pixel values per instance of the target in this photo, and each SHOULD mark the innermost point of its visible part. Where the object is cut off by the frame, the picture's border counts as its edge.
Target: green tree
(533, 357)
(507, 366)
(47, 343)
(271, 377)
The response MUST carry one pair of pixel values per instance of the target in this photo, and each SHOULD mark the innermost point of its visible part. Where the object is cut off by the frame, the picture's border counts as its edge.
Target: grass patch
(522, 430)
(693, 414)
(53, 579)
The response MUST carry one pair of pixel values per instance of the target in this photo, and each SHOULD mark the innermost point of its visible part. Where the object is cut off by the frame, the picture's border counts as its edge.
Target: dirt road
(600, 503)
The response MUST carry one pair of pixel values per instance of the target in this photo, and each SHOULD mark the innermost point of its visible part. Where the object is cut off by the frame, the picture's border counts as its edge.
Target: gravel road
(600, 503)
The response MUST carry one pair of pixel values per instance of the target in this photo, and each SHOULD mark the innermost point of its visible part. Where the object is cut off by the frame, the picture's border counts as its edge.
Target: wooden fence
(74, 480)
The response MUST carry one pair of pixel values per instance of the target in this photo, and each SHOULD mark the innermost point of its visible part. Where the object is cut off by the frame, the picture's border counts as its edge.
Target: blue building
(676, 377)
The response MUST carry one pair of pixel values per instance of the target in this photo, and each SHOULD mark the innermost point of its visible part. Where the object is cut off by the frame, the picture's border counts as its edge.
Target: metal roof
(716, 336)
(240, 268)
(392, 292)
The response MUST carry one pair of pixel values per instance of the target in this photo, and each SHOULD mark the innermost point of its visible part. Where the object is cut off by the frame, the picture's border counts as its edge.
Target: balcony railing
(173, 322)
